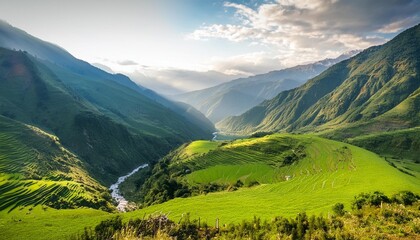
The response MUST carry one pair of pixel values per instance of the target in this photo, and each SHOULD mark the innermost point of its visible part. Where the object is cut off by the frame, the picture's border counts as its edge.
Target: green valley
(313, 139)
(294, 173)
(305, 170)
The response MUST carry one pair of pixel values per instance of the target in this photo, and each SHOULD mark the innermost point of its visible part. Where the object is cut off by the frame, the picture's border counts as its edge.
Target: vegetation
(377, 216)
(80, 109)
(35, 169)
(207, 166)
(248, 173)
(400, 143)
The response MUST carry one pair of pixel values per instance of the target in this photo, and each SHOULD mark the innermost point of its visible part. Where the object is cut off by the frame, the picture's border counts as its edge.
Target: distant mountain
(237, 96)
(112, 124)
(376, 90)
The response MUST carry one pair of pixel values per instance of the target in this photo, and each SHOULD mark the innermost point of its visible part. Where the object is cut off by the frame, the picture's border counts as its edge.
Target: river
(214, 136)
(115, 191)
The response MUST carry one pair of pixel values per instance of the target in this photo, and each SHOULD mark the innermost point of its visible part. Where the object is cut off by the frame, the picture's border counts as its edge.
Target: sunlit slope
(330, 172)
(376, 90)
(35, 169)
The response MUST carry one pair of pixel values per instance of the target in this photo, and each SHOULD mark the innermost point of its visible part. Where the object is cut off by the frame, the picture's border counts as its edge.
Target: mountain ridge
(112, 124)
(251, 91)
(365, 89)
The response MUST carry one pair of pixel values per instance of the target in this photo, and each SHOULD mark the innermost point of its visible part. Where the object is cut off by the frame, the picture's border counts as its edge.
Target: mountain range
(377, 90)
(109, 122)
(237, 96)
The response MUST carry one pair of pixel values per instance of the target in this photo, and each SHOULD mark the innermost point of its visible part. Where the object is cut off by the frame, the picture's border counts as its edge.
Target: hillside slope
(29, 93)
(82, 76)
(36, 169)
(112, 124)
(311, 172)
(237, 96)
(376, 90)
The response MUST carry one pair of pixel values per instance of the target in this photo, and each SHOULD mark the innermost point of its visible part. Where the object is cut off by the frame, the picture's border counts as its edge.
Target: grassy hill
(285, 173)
(322, 173)
(376, 90)
(35, 169)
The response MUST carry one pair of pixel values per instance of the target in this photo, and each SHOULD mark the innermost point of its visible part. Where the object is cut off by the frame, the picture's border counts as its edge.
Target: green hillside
(35, 169)
(285, 173)
(322, 173)
(111, 123)
(376, 90)
(31, 94)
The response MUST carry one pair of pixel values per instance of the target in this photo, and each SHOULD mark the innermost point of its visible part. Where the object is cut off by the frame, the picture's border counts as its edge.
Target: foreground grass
(37, 223)
(331, 172)
(374, 216)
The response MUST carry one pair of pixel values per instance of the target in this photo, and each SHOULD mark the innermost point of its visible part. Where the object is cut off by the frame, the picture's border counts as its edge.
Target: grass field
(36, 223)
(197, 148)
(328, 173)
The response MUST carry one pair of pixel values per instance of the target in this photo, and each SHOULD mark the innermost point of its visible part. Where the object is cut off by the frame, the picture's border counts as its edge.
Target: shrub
(338, 209)
(405, 197)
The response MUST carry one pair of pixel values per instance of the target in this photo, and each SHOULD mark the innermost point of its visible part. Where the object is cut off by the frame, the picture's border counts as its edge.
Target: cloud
(103, 67)
(315, 26)
(127, 63)
(248, 64)
(174, 81)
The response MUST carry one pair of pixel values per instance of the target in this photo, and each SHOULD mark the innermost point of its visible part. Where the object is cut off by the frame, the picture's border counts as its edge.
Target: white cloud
(127, 62)
(313, 27)
(247, 64)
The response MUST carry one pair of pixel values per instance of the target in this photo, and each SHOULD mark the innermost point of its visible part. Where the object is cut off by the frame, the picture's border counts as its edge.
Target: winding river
(214, 136)
(115, 191)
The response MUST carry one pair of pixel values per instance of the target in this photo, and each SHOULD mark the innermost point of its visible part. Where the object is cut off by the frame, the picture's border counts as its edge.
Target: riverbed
(115, 191)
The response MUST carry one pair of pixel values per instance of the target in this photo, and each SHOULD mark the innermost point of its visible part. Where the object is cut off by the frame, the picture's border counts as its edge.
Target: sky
(174, 46)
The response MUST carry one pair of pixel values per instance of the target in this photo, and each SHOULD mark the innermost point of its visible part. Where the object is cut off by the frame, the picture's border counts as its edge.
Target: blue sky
(182, 45)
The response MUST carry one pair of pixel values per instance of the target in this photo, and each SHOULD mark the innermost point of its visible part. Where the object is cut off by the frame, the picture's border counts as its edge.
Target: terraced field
(329, 172)
(35, 169)
(326, 172)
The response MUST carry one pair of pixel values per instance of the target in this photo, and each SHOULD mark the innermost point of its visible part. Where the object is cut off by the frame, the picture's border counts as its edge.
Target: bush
(338, 209)
(405, 197)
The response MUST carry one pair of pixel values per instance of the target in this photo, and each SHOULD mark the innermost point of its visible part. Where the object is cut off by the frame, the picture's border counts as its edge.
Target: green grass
(231, 173)
(39, 224)
(198, 147)
(400, 143)
(331, 172)
(255, 159)
(35, 169)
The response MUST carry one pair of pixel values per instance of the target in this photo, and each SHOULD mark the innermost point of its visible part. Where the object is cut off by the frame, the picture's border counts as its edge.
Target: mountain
(237, 96)
(55, 56)
(36, 169)
(376, 90)
(109, 122)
